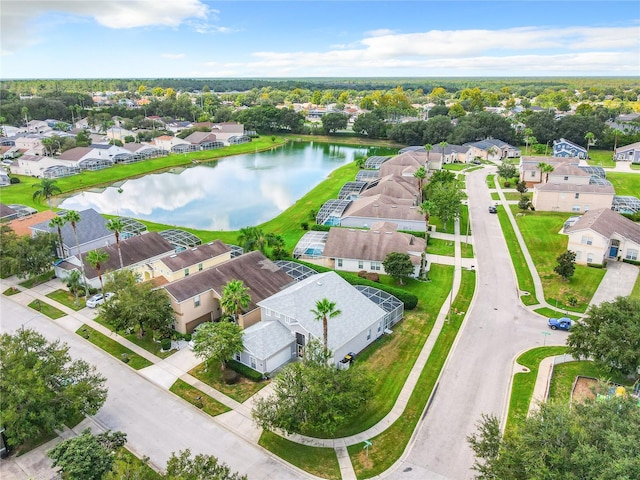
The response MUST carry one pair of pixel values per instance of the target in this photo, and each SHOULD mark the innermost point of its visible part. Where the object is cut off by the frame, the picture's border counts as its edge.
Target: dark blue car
(563, 323)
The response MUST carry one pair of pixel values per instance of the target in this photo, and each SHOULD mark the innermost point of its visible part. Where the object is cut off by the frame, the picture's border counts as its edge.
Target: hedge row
(245, 371)
(632, 262)
(409, 299)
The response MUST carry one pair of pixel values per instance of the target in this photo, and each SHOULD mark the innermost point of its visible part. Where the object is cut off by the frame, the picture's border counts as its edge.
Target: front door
(300, 342)
(613, 252)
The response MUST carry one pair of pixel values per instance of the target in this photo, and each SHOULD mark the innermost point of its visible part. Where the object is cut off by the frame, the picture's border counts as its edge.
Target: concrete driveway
(477, 376)
(157, 422)
(618, 281)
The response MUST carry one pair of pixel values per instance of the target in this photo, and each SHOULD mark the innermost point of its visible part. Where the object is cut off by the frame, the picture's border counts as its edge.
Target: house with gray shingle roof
(628, 153)
(566, 148)
(603, 234)
(193, 260)
(359, 324)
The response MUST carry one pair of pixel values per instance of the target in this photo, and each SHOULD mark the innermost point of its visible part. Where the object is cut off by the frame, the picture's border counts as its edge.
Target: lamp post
(546, 150)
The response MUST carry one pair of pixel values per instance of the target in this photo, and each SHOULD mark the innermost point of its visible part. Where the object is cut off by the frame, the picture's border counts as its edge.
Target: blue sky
(257, 39)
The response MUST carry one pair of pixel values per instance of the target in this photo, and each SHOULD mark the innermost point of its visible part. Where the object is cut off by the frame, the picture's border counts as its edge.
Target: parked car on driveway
(563, 323)
(98, 299)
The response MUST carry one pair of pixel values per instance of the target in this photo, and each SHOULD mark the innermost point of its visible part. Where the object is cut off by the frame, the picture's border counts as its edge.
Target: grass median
(66, 298)
(198, 398)
(113, 348)
(45, 309)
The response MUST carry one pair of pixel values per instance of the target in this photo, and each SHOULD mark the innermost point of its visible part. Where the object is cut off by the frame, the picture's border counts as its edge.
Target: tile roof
(194, 255)
(606, 222)
(22, 225)
(134, 250)
(297, 302)
(372, 245)
(260, 275)
(74, 154)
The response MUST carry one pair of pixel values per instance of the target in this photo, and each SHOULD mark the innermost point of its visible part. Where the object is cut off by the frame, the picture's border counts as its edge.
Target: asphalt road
(477, 375)
(156, 422)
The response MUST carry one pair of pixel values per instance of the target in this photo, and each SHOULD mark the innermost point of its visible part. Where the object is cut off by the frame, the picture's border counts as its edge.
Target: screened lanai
(374, 162)
(367, 175)
(351, 190)
(626, 204)
(413, 148)
(295, 270)
(390, 304)
(131, 227)
(311, 244)
(59, 171)
(184, 148)
(95, 163)
(331, 212)
(597, 180)
(180, 238)
(236, 250)
(599, 171)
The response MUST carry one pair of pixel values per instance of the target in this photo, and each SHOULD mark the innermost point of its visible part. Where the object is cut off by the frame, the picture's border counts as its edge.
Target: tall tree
(545, 169)
(528, 133)
(73, 217)
(566, 266)
(324, 310)
(610, 334)
(398, 265)
(590, 139)
(41, 388)
(26, 256)
(420, 174)
(58, 222)
(47, 188)
(200, 467)
(235, 298)
(74, 283)
(443, 146)
(217, 342)
(97, 258)
(507, 171)
(87, 456)
(447, 199)
(116, 225)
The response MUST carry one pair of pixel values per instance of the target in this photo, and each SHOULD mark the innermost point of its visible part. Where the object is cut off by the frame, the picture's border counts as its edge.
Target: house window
(578, 255)
(360, 264)
(379, 327)
(267, 312)
(533, 174)
(200, 267)
(575, 208)
(590, 258)
(375, 266)
(196, 301)
(587, 240)
(186, 272)
(632, 254)
(277, 314)
(253, 362)
(577, 195)
(237, 357)
(340, 262)
(565, 179)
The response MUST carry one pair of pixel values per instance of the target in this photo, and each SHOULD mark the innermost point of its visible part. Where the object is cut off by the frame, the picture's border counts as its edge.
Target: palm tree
(324, 310)
(116, 225)
(527, 134)
(591, 140)
(47, 188)
(491, 151)
(425, 208)
(443, 145)
(235, 298)
(74, 283)
(73, 217)
(420, 174)
(546, 169)
(97, 258)
(59, 222)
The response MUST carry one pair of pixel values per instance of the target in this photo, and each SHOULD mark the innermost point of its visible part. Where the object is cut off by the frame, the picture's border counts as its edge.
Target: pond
(228, 194)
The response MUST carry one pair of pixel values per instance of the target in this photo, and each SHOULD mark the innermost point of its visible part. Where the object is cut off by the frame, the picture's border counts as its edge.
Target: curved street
(476, 378)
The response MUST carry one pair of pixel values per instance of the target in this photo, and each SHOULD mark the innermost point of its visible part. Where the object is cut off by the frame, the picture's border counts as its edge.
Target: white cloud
(18, 16)
(379, 33)
(172, 56)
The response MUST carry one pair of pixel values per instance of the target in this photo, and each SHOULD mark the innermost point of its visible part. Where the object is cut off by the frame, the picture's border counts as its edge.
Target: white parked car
(98, 299)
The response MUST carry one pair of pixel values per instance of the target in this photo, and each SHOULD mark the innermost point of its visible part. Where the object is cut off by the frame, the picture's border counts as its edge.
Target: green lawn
(40, 279)
(456, 166)
(240, 392)
(11, 291)
(635, 293)
(625, 183)
(514, 195)
(491, 180)
(125, 456)
(113, 348)
(495, 196)
(466, 249)
(46, 309)
(635, 166)
(464, 222)
(545, 244)
(197, 398)
(437, 246)
(147, 342)
(321, 462)
(523, 383)
(389, 445)
(564, 375)
(601, 158)
(525, 280)
(551, 313)
(66, 298)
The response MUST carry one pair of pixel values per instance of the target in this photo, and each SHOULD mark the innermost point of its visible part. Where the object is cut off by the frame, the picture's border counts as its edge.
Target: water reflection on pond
(226, 195)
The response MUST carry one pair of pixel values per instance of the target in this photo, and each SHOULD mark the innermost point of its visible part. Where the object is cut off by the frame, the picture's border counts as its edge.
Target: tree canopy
(26, 256)
(398, 265)
(41, 387)
(610, 334)
(566, 266)
(217, 342)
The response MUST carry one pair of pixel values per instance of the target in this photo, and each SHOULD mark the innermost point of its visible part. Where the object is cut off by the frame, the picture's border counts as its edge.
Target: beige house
(354, 250)
(530, 172)
(190, 261)
(558, 197)
(604, 234)
(396, 187)
(196, 298)
(365, 211)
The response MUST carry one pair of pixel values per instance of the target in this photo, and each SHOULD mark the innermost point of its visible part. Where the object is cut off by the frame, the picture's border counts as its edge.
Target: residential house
(170, 144)
(38, 126)
(230, 133)
(404, 164)
(191, 260)
(139, 152)
(493, 149)
(530, 172)
(7, 213)
(365, 211)
(4, 178)
(603, 234)
(91, 230)
(359, 324)
(177, 126)
(119, 133)
(628, 153)
(354, 250)
(565, 148)
(203, 141)
(31, 144)
(569, 197)
(394, 186)
(138, 254)
(196, 298)
(454, 153)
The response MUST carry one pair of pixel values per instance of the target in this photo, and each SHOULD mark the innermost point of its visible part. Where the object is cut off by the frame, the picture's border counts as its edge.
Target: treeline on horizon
(450, 84)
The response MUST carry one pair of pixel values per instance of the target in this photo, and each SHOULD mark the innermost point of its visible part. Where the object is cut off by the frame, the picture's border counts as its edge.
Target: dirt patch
(584, 388)
(364, 460)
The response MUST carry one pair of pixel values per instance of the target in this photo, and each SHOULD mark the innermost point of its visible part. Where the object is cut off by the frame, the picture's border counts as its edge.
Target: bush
(245, 371)
(187, 337)
(14, 180)
(507, 184)
(410, 300)
(632, 262)
(305, 225)
(229, 377)
(595, 265)
(320, 228)
(165, 343)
